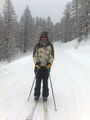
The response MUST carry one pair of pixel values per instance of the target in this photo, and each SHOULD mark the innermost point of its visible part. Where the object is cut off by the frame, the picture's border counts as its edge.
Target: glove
(37, 65)
(48, 66)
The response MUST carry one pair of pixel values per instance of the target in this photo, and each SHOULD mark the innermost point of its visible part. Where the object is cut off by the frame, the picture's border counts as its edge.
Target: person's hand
(37, 65)
(48, 66)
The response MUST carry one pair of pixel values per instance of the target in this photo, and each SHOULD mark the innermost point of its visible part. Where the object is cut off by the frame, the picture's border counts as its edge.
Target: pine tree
(1, 36)
(86, 18)
(40, 25)
(62, 29)
(67, 14)
(26, 31)
(50, 28)
(9, 42)
(57, 31)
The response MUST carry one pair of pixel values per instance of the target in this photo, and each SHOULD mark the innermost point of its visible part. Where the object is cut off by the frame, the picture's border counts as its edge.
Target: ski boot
(44, 99)
(36, 98)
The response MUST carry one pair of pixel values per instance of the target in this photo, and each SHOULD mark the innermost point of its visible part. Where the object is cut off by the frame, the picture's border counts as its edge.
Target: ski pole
(32, 87)
(53, 93)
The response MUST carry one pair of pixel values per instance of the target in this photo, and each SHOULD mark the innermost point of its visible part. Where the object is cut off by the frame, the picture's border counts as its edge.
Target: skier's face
(43, 40)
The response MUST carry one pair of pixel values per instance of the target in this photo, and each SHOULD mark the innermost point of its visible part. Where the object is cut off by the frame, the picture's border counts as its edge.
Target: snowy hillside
(71, 82)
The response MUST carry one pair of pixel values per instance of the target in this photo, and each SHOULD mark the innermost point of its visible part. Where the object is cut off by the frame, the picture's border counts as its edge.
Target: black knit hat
(44, 34)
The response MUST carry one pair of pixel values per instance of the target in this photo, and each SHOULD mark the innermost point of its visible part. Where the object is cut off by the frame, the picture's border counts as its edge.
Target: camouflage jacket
(43, 54)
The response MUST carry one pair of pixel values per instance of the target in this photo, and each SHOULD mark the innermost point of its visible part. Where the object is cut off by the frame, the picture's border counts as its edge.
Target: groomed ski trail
(71, 82)
(46, 114)
(39, 111)
(31, 114)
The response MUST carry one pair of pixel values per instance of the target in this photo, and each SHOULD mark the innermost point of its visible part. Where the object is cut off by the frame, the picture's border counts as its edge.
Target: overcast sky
(41, 8)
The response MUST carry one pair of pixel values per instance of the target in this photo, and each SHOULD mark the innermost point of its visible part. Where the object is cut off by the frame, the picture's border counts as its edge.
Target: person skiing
(43, 56)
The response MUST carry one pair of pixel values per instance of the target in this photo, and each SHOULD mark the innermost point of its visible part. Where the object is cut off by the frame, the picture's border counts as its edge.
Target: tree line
(75, 22)
(20, 36)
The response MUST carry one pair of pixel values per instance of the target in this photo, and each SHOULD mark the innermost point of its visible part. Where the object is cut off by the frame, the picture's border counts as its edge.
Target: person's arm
(51, 58)
(35, 55)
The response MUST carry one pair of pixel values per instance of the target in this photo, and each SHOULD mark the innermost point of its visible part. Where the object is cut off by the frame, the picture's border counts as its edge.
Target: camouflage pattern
(43, 54)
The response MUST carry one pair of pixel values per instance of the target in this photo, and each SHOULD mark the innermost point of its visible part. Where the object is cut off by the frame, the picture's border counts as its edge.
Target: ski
(45, 110)
(30, 117)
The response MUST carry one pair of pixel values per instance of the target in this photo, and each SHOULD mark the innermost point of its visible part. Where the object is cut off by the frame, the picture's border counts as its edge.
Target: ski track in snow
(71, 83)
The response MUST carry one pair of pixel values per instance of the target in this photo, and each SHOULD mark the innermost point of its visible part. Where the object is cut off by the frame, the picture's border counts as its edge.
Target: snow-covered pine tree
(88, 13)
(61, 29)
(57, 30)
(86, 18)
(67, 15)
(34, 32)
(75, 17)
(26, 31)
(50, 28)
(78, 19)
(40, 25)
(1, 35)
(9, 42)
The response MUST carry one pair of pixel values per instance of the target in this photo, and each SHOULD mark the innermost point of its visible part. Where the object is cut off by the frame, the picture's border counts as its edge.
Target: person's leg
(38, 84)
(45, 83)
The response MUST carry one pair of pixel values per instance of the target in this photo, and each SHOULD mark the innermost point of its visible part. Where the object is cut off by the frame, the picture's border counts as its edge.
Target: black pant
(41, 74)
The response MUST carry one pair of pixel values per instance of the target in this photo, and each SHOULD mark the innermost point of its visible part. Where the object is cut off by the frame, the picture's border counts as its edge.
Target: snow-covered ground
(71, 82)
